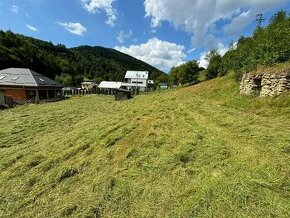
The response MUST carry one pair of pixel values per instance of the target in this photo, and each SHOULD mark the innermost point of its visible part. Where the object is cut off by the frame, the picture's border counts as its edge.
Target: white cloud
(221, 49)
(235, 45)
(122, 36)
(160, 54)
(202, 62)
(32, 28)
(94, 6)
(15, 9)
(199, 17)
(75, 28)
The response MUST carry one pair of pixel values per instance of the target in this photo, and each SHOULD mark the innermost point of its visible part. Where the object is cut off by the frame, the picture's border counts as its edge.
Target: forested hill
(70, 66)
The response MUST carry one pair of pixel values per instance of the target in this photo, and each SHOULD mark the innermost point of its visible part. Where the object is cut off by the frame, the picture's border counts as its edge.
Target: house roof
(25, 77)
(137, 75)
(110, 85)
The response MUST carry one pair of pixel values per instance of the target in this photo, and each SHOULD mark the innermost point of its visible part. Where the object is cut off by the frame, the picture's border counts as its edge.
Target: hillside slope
(96, 63)
(200, 151)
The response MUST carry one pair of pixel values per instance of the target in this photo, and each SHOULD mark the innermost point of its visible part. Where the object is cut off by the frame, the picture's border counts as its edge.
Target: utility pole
(260, 19)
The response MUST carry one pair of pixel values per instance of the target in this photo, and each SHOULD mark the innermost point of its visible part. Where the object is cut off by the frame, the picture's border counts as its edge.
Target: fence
(98, 91)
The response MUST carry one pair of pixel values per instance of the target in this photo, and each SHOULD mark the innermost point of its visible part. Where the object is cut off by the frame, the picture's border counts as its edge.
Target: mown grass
(200, 151)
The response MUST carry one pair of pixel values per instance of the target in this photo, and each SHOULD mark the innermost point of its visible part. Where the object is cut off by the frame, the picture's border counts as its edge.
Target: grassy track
(200, 151)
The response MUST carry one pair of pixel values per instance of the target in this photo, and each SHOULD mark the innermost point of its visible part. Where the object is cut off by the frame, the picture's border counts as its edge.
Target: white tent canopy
(110, 85)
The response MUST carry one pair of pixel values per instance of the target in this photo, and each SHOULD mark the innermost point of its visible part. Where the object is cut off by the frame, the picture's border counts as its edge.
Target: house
(137, 79)
(2, 97)
(88, 85)
(22, 84)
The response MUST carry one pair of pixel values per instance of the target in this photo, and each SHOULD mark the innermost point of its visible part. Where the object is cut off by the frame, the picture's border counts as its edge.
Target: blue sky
(164, 33)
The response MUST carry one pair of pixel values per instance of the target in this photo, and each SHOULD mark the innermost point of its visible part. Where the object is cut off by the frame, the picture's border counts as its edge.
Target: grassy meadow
(199, 151)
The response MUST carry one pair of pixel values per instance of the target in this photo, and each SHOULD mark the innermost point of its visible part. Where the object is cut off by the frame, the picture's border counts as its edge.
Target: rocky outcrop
(265, 84)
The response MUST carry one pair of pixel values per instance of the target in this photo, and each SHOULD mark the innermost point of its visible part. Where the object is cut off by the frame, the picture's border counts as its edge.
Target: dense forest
(266, 47)
(69, 66)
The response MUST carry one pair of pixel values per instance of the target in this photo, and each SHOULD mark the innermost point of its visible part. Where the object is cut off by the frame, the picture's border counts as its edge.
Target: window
(42, 80)
(15, 78)
(2, 77)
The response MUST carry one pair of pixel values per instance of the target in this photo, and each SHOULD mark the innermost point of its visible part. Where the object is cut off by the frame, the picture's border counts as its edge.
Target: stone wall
(265, 84)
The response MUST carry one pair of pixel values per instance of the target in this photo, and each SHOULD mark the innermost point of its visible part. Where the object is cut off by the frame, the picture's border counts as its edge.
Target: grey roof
(137, 75)
(25, 77)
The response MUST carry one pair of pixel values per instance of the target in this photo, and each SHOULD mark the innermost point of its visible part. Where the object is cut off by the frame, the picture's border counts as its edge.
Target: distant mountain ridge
(79, 63)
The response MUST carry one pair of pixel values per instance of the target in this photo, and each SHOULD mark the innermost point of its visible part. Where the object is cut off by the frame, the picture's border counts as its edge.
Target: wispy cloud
(74, 28)
(15, 9)
(122, 36)
(32, 28)
(191, 50)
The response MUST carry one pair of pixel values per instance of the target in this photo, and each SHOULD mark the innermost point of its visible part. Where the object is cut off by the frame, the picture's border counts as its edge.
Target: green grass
(200, 151)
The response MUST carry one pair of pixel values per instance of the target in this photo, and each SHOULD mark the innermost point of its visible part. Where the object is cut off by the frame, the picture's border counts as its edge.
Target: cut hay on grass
(200, 151)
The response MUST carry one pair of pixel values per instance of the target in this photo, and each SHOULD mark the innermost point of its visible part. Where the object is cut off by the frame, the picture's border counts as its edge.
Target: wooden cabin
(122, 94)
